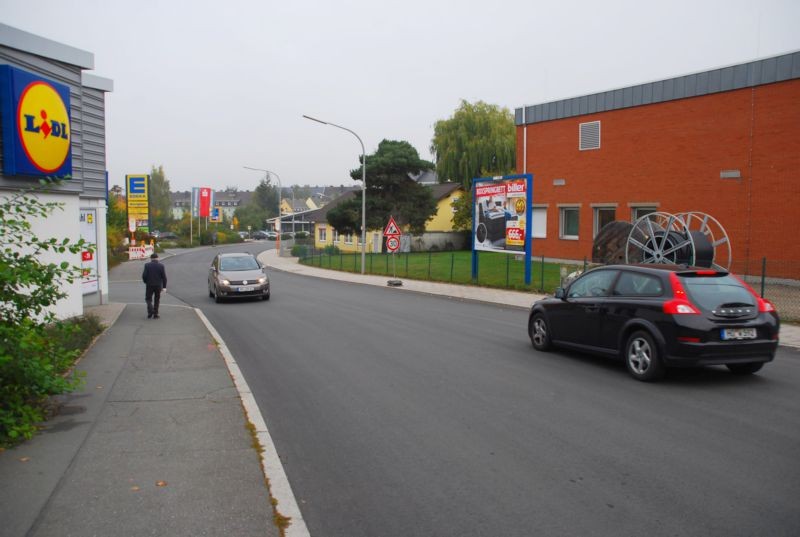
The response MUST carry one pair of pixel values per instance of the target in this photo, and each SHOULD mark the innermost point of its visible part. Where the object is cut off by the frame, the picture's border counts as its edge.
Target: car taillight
(764, 305)
(680, 304)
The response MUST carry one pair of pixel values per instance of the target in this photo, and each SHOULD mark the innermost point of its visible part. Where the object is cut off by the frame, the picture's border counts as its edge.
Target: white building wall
(63, 223)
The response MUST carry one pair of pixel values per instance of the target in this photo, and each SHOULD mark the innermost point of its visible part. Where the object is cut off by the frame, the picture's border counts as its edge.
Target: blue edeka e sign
(37, 133)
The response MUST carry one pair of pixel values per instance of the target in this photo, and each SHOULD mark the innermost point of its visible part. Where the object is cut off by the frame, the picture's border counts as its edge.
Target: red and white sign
(205, 201)
(392, 230)
(393, 243)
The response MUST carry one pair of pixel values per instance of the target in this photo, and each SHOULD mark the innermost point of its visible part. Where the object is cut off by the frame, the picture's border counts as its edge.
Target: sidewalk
(789, 334)
(155, 443)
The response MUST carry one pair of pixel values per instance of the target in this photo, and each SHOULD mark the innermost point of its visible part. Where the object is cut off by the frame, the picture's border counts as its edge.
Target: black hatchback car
(660, 316)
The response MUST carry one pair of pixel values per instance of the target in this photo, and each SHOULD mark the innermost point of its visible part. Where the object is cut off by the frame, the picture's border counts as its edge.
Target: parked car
(237, 275)
(259, 235)
(272, 235)
(244, 234)
(167, 236)
(659, 316)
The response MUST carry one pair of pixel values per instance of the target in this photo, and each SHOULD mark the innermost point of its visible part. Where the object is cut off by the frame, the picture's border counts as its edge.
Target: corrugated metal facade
(756, 73)
(87, 110)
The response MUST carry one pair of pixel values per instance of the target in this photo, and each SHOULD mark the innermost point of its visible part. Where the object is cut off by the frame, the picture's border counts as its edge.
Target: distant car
(659, 316)
(244, 234)
(259, 235)
(237, 275)
(167, 236)
(272, 235)
(155, 233)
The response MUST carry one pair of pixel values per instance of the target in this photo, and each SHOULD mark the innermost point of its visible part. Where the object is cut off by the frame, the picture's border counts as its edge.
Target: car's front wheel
(265, 296)
(642, 359)
(539, 332)
(745, 369)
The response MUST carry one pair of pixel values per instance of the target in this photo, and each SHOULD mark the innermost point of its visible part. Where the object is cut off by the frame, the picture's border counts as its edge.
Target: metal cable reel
(690, 238)
(712, 246)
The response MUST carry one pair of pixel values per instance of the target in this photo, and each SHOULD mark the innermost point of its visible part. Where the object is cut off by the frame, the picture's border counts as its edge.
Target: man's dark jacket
(154, 274)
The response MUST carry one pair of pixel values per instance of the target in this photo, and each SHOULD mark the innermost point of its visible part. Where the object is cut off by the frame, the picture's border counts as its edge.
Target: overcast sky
(205, 88)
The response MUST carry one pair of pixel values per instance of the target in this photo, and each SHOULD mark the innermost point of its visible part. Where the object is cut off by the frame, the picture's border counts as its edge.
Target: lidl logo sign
(36, 124)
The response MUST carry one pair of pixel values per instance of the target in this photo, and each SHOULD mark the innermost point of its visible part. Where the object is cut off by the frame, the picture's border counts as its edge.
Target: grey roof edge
(97, 82)
(34, 44)
(726, 78)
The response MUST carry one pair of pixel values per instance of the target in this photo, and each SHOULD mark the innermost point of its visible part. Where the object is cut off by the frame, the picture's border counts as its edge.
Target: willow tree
(479, 140)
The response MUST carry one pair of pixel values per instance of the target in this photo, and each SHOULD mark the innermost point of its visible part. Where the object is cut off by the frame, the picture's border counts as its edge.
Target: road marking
(271, 464)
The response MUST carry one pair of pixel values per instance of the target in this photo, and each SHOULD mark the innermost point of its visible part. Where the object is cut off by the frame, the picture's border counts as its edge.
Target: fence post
(763, 274)
(508, 256)
(584, 263)
(452, 264)
(429, 264)
(387, 263)
(542, 287)
(406, 264)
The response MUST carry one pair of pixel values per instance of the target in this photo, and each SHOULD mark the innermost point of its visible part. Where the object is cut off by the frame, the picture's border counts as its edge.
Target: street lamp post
(363, 188)
(280, 187)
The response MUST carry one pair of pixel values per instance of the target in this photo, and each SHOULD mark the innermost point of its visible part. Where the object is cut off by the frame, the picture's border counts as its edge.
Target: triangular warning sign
(391, 229)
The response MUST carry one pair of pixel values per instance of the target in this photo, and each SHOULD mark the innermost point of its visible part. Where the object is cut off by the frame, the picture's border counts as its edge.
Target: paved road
(398, 414)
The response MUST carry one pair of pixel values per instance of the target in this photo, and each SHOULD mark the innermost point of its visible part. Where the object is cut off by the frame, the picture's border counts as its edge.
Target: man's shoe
(156, 316)
(149, 315)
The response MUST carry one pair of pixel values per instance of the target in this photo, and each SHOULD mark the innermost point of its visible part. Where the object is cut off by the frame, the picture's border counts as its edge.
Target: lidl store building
(724, 142)
(54, 125)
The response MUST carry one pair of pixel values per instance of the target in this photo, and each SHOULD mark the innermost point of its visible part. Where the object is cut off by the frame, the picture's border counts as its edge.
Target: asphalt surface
(383, 430)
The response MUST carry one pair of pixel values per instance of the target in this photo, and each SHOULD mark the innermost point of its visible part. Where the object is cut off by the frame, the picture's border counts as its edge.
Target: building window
(589, 135)
(603, 216)
(348, 239)
(323, 235)
(638, 212)
(453, 202)
(539, 230)
(336, 237)
(570, 218)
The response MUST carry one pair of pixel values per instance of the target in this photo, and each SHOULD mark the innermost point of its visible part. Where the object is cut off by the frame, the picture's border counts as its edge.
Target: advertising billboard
(501, 216)
(137, 193)
(501, 213)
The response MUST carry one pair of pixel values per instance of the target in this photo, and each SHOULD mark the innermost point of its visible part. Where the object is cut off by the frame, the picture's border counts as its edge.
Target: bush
(35, 349)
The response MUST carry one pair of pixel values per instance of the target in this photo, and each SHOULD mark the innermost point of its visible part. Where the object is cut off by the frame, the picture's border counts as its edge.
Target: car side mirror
(561, 293)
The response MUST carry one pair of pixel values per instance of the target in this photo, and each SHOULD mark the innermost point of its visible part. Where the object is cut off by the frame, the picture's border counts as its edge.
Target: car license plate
(248, 288)
(738, 333)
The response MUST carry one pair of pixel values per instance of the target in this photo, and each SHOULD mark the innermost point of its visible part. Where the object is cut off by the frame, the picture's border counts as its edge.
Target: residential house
(439, 233)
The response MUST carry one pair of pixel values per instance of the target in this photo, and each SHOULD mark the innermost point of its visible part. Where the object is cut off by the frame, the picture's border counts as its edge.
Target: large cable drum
(691, 238)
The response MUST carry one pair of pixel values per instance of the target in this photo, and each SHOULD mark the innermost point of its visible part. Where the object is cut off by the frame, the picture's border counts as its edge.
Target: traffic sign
(392, 230)
(393, 243)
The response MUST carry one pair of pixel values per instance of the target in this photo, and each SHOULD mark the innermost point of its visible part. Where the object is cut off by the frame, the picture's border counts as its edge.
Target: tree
(160, 204)
(478, 141)
(32, 362)
(262, 206)
(390, 191)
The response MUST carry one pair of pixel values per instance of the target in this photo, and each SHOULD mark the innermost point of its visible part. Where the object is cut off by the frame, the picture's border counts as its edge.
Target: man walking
(155, 279)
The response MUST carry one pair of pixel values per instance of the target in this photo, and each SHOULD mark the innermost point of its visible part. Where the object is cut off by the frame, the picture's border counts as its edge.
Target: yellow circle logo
(44, 128)
(519, 206)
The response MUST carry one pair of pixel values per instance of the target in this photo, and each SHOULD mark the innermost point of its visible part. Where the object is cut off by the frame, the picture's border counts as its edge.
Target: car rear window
(710, 292)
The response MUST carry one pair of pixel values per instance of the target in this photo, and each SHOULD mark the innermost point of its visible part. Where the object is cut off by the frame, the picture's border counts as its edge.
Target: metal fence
(776, 280)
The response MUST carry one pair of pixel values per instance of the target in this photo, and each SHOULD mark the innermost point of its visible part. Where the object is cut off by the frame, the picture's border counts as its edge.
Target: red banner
(205, 202)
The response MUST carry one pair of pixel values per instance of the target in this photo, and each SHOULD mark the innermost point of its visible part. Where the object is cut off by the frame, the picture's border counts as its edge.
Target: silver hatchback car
(237, 275)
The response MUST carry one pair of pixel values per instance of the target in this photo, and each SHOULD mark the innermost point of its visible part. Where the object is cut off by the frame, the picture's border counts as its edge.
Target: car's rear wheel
(745, 369)
(641, 357)
(539, 332)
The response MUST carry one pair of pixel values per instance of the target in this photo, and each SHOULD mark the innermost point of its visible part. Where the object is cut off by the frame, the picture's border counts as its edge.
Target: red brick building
(724, 142)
